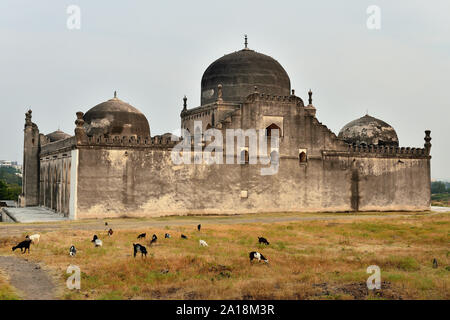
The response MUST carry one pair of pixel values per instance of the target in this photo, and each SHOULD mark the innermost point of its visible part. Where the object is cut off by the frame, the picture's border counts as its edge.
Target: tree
(9, 175)
(438, 187)
(3, 190)
(9, 192)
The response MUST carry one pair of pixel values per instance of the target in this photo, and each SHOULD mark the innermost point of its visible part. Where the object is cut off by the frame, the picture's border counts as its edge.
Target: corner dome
(57, 135)
(115, 117)
(368, 130)
(239, 73)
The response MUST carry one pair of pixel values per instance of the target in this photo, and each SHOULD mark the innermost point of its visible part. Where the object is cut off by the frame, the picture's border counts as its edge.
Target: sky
(155, 52)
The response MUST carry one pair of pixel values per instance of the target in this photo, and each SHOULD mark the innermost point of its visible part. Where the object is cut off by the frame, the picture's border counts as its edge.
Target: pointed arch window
(271, 127)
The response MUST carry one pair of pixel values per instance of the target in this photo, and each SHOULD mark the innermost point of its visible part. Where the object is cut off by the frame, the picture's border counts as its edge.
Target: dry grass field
(6, 291)
(316, 259)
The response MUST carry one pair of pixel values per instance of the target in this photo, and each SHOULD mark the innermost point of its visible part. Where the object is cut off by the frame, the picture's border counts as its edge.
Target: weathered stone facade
(111, 168)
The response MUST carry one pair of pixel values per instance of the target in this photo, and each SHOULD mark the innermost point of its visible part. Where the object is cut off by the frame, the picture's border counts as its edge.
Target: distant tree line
(9, 191)
(9, 175)
(10, 184)
(440, 193)
(440, 187)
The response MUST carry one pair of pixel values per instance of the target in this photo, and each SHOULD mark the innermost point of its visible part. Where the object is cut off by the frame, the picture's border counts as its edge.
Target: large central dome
(240, 72)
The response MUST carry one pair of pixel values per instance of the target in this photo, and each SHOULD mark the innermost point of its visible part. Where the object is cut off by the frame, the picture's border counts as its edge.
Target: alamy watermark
(374, 18)
(374, 281)
(74, 280)
(74, 19)
(209, 147)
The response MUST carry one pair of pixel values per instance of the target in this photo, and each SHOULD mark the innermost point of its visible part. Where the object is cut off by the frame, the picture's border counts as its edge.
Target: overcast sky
(153, 53)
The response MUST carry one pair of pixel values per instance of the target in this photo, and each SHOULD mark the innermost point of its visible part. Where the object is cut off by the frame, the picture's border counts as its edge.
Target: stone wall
(54, 182)
(115, 182)
(55, 175)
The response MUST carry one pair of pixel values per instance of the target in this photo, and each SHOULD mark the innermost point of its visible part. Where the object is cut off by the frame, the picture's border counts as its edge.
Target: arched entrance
(269, 129)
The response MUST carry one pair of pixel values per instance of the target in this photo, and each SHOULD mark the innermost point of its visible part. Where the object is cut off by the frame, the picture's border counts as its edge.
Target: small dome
(369, 131)
(57, 135)
(240, 72)
(115, 117)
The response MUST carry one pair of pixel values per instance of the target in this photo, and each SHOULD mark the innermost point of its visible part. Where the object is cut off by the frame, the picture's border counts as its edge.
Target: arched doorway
(269, 129)
(244, 157)
(302, 157)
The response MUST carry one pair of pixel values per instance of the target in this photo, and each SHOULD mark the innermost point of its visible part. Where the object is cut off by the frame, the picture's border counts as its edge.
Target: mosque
(112, 167)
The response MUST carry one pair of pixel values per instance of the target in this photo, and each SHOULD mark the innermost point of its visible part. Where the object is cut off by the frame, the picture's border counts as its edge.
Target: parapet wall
(388, 150)
(58, 146)
(128, 181)
(270, 97)
(129, 141)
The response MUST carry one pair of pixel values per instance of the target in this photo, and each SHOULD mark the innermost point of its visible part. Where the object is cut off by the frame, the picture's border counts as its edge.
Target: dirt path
(28, 278)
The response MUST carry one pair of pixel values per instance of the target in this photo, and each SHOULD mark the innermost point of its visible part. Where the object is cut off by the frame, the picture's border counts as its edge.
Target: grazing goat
(142, 235)
(258, 256)
(154, 238)
(435, 263)
(23, 245)
(110, 232)
(97, 241)
(262, 240)
(72, 251)
(199, 227)
(167, 236)
(34, 238)
(203, 243)
(137, 247)
(183, 236)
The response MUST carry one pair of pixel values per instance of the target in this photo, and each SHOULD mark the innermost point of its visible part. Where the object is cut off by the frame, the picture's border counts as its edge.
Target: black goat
(142, 235)
(139, 248)
(23, 245)
(262, 240)
(154, 238)
(435, 263)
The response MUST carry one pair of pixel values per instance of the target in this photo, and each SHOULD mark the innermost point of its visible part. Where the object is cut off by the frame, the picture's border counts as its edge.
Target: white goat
(203, 243)
(34, 238)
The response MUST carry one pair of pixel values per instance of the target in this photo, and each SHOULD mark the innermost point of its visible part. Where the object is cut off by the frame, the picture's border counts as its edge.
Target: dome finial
(310, 96)
(427, 140)
(115, 94)
(184, 103)
(246, 41)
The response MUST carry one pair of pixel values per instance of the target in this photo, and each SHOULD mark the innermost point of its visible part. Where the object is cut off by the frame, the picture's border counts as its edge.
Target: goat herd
(137, 247)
